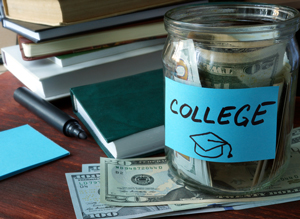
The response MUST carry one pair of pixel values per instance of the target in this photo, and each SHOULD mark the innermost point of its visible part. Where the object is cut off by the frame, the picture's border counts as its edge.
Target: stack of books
(105, 54)
(72, 43)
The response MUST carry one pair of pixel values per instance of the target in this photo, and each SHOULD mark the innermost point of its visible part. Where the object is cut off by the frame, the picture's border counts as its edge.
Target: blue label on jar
(221, 125)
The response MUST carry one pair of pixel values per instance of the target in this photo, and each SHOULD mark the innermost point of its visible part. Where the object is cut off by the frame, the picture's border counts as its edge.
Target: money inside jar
(237, 47)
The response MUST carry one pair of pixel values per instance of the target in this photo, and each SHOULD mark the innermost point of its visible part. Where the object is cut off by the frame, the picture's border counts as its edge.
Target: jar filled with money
(230, 84)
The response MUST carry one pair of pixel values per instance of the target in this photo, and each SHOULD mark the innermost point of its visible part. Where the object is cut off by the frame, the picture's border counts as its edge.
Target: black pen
(48, 112)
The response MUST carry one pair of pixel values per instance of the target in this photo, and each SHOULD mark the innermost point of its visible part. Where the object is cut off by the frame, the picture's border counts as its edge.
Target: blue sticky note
(221, 125)
(23, 148)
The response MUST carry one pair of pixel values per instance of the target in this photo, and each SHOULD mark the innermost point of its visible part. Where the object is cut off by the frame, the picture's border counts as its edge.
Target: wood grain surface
(43, 192)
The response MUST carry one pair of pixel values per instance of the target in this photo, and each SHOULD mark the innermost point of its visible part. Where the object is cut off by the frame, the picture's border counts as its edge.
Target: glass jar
(231, 76)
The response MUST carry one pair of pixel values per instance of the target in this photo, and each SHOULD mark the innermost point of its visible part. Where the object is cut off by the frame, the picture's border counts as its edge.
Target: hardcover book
(89, 41)
(126, 115)
(63, 12)
(40, 32)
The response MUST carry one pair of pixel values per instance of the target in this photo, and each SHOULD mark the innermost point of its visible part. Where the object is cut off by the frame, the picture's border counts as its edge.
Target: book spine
(5, 7)
(4, 24)
(74, 106)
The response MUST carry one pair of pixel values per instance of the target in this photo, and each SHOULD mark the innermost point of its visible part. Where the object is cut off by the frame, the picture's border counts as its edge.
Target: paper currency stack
(137, 188)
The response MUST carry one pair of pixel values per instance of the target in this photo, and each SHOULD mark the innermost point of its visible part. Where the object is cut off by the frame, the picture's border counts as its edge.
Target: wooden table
(43, 192)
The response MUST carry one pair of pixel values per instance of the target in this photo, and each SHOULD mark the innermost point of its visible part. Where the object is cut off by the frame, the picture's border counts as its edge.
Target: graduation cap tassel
(229, 154)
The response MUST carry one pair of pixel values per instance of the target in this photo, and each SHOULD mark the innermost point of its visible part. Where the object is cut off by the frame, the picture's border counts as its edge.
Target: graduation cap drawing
(210, 145)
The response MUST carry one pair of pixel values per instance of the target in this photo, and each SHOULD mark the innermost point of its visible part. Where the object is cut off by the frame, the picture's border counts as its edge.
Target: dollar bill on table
(143, 182)
(85, 194)
(95, 167)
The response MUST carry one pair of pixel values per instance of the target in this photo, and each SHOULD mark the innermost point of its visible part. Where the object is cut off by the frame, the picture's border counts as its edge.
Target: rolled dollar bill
(230, 68)
(186, 72)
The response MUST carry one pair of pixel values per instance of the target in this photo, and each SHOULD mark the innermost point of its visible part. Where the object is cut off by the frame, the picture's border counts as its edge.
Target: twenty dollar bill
(85, 194)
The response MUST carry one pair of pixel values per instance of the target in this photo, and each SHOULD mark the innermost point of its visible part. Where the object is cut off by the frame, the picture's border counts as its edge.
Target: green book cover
(123, 106)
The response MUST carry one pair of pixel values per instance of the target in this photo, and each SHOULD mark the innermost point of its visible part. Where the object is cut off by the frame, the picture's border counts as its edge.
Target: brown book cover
(64, 12)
